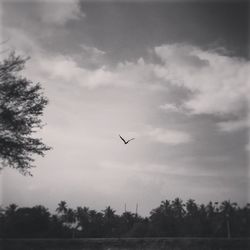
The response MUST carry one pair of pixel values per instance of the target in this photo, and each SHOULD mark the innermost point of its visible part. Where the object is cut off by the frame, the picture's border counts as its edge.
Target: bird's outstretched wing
(122, 139)
(130, 140)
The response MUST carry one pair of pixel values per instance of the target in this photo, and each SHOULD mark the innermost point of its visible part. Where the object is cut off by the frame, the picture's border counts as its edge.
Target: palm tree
(62, 207)
(109, 221)
(109, 213)
(62, 211)
(210, 209)
(128, 219)
(227, 210)
(178, 208)
(165, 207)
(69, 220)
(83, 219)
(192, 208)
(70, 216)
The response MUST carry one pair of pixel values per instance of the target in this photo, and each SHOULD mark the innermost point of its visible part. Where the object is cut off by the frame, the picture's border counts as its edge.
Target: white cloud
(169, 107)
(168, 136)
(93, 51)
(65, 69)
(219, 82)
(90, 57)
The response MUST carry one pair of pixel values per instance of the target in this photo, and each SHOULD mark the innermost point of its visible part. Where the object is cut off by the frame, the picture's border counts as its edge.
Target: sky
(172, 74)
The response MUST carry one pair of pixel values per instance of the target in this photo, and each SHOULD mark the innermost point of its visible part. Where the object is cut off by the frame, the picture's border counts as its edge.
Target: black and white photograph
(124, 125)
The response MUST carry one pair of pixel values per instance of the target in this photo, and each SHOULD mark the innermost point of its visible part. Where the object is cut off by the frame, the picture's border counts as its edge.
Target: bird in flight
(126, 142)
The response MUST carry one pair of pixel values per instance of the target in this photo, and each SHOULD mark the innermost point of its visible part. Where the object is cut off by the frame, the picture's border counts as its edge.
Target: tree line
(171, 219)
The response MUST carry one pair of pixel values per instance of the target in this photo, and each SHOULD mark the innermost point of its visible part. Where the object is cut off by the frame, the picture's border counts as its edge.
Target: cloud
(170, 107)
(67, 70)
(168, 136)
(230, 126)
(171, 137)
(218, 82)
(44, 66)
(90, 57)
(93, 51)
(58, 11)
(177, 55)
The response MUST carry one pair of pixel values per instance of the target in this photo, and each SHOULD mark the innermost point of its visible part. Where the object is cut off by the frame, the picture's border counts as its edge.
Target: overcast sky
(172, 75)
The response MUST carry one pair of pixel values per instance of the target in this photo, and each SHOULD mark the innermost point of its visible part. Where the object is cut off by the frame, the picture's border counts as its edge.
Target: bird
(126, 142)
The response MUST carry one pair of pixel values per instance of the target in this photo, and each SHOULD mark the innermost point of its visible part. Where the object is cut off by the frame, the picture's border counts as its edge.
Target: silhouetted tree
(57, 229)
(178, 213)
(83, 219)
(162, 220)
(228, 216)
(127, 221)
(192, 219)
(21, 105)
(174, 219)
(110, 221)
(62, 208)
(96, 224)
(70, 221)
(26, 222)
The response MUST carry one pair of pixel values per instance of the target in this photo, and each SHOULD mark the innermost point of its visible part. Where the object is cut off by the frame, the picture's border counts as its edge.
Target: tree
(21, 105)
(228, 211)
(192, 219)
(197, 221)
(83, 218)
(162, 221)
(109, 213)
(62, 208)
(110, 221)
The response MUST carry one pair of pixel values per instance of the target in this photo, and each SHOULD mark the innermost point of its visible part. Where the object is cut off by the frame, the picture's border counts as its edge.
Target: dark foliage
(21, 106)
(171, 219)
